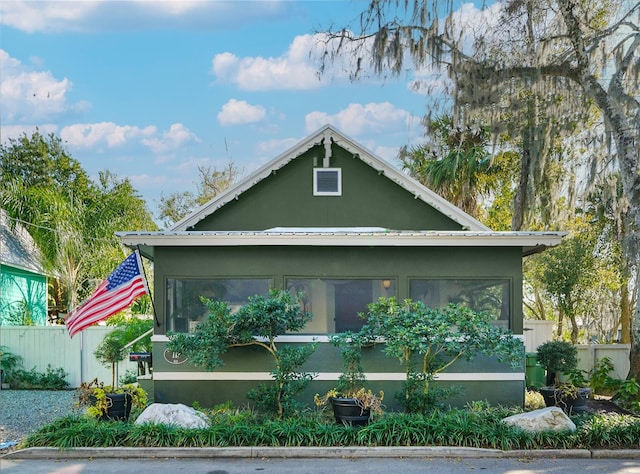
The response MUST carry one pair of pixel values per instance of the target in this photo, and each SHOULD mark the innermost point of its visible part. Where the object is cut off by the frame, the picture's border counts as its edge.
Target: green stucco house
(23, 281)
(330, 218)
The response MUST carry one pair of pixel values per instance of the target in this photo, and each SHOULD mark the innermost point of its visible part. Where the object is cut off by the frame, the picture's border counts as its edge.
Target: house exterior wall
(177, 381)
(401, 264)
(285, 199)
(23, 297)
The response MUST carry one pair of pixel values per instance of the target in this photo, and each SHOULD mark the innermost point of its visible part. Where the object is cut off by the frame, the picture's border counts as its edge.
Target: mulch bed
(600, 404)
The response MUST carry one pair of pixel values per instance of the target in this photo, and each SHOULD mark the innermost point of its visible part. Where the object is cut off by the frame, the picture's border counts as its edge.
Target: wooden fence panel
(588, 355)
(536, 332)
(40, 346)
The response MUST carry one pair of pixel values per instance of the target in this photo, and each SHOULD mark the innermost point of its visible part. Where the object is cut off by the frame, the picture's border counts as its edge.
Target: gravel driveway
(24, 411)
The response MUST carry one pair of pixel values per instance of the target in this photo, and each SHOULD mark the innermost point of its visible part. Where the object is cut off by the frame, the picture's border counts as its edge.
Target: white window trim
(325, 193)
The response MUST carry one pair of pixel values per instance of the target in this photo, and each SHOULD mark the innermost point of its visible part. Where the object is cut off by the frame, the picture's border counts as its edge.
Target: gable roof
(17, 247)
(326, 135)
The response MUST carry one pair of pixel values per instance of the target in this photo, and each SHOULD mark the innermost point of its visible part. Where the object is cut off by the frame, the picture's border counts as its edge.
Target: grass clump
(476, 426)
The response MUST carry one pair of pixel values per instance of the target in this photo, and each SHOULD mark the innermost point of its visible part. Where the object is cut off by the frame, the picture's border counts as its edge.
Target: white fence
(40, 346)
(536, 332)
(588, 355)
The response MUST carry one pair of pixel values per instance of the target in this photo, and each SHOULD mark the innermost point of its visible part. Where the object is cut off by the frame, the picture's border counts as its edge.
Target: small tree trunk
(574, 329)
(625, 314)
(560, 321)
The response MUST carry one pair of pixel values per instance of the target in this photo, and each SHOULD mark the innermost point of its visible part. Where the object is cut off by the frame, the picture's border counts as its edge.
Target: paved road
(319, 466)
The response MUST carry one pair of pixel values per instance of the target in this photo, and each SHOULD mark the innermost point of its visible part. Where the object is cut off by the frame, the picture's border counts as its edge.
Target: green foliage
(9, 362)
(455, 163)
(211, 183)
(352, 380)
(429, 340)
(257, 324)
(479, 426)
(567, 272)
(112, 348)
(71, 218)
(93, 395)
(17, 314)
(129, 377)
(51, 379)
(557, 357)
(599, 379)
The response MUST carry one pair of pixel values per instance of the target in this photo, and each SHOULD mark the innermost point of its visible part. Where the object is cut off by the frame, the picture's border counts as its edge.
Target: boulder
(545, 419)
(175, 414)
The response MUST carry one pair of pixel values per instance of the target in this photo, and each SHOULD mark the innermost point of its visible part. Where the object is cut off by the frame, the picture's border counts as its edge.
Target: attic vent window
(327, 182)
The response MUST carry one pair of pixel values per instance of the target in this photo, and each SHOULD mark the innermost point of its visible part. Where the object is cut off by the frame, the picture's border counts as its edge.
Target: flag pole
(146, 280)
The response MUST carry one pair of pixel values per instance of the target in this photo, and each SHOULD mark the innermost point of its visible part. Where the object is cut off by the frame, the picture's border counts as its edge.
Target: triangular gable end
(325, 136)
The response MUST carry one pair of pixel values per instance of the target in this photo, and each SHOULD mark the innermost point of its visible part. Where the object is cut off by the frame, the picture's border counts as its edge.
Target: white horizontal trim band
(389, 239)
(332, 376)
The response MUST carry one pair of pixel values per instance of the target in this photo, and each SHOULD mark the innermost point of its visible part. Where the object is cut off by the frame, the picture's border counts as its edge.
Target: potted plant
(107, 402)
(560, 357)
(9, 362)
(352, 403)
(110, 401)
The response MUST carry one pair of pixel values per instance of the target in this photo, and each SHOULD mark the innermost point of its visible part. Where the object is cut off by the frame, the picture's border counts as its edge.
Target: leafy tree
(212, 182)
(567, 272)
(257, 324)
(582, 56)
(42, 162)
(71, 218)
(429, 340)
(452, 164)
(456, 163)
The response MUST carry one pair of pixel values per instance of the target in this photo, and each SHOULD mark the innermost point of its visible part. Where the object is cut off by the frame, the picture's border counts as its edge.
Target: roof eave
(530, 243)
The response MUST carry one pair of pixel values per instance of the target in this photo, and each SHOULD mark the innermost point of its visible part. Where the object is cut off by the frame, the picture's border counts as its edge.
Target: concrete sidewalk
(316, 452)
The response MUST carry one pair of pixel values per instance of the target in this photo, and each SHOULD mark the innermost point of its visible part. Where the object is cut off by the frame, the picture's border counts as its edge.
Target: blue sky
(152, 90)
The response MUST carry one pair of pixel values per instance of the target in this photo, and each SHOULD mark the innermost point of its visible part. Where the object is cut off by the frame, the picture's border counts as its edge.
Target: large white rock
(173, 414)
(551, 418)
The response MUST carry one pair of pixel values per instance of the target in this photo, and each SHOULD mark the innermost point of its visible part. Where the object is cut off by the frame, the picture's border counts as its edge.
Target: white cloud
(30, 96)
(296, 69)
(240, 112)
(92, 135)
(272, 148)
(144, 181)
(134, 15)
(16, 131)
(358, 119)
(177, 136)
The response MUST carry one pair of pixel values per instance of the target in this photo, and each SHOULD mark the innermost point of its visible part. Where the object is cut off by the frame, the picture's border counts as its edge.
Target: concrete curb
(315, 452)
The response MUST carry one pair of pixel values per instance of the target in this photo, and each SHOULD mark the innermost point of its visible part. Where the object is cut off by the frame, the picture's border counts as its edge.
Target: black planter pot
(560, 398)
(347, 412)
(118, 406)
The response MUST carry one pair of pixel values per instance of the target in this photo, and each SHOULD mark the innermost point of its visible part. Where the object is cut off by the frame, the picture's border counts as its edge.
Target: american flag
(114, 294)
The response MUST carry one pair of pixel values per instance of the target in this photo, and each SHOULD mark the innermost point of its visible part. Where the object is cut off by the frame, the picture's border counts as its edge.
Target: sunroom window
(335, 303)
(185, 308)
(482, 295)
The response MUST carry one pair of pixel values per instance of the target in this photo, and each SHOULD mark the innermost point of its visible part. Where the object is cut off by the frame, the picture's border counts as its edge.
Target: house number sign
(174, 357)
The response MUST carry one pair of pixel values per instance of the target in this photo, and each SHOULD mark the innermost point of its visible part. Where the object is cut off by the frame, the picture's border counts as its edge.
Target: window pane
(490, 296)
(335, 303)
(185, 309)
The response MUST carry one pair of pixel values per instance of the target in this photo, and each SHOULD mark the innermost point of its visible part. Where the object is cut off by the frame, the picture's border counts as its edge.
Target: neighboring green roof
(17, 247)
